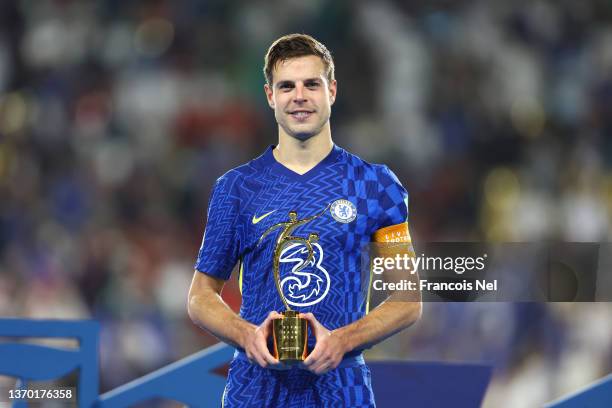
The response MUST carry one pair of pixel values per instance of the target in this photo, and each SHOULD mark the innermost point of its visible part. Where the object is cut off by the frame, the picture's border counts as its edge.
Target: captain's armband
(393, 233)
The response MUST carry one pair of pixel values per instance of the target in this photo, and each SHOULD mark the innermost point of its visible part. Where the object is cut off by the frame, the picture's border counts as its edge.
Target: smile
(301, 115)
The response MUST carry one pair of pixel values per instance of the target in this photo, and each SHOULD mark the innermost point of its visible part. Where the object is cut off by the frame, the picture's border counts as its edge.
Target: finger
(313, 357)
(274, 315)
(320, 368)
(271, 316)
(250, 357)
(334, 364)
(319, 352)
(317, 328)
(269, 358)
(265, 325)
(264, 328)
(330, 366)
(319, 371)
(310, 317)
(313, 322)
(264, 353)
(321, 364)
(260, 360)
(324, 371)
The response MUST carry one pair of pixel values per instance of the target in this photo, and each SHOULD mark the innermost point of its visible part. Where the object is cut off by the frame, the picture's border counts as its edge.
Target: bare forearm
(381, 323)
(211, 313)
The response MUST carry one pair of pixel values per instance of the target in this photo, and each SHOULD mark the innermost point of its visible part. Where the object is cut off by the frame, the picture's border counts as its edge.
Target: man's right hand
(256, 344)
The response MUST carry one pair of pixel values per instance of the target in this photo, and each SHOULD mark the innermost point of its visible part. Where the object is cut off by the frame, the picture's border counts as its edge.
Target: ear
(333, 90)
(269, 95)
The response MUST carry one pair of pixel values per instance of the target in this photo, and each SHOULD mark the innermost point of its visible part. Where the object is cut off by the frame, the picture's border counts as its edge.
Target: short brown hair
(293, 46)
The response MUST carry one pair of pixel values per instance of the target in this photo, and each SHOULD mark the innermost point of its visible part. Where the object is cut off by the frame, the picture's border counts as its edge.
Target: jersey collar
(277, 168)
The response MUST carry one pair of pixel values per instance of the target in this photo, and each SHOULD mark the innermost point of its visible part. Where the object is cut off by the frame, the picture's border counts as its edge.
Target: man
(344, 203)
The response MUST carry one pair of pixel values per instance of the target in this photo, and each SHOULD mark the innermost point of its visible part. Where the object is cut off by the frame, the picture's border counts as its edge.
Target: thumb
(314, 323)
(267, 323)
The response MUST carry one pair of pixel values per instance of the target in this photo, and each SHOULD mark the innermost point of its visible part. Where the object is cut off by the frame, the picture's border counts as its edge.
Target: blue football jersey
(343, 200)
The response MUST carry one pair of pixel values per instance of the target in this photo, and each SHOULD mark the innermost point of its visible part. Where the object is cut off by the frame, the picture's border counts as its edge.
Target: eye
(285, 87)
(312, 84)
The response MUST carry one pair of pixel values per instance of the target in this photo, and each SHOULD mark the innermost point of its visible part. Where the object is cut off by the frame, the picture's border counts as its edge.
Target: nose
(299, 94)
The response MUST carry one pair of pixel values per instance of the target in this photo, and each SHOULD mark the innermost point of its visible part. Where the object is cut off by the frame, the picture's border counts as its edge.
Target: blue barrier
(596, 395)
(429, 385)
(189, 380)
(192, 381)
(30, 362)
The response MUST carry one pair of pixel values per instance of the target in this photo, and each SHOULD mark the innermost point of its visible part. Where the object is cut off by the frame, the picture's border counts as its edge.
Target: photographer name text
(425, 285)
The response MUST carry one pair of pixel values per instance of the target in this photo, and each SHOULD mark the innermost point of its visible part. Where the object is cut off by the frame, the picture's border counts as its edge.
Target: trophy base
(290, 334)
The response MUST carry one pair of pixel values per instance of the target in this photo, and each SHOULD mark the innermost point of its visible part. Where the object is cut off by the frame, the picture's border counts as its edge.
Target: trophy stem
(280, 292)
(276, 271)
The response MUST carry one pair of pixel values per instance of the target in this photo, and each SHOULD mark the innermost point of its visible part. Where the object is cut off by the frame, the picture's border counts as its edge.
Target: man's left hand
(329, 349)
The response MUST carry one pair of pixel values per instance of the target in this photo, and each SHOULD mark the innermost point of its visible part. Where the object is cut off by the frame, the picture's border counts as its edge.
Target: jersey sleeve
(393, 199)
(393, 223)
(219, 250)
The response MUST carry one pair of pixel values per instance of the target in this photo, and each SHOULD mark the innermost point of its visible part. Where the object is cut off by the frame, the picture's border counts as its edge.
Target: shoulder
(233, 178)
(386, 176)
(362, 169)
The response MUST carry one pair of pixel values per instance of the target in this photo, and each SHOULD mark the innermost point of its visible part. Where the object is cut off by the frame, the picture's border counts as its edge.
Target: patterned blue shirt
(350, 200)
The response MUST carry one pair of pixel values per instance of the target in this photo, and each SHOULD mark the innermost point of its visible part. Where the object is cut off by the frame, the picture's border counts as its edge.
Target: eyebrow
(288, 82)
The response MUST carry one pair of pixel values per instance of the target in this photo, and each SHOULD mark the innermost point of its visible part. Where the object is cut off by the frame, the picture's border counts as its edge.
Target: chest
(325, 212)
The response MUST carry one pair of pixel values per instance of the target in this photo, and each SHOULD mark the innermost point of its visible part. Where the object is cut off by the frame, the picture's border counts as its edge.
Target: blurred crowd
(116, 118)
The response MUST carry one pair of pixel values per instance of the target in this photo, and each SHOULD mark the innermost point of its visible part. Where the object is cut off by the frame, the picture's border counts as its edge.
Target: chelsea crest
(343, 211)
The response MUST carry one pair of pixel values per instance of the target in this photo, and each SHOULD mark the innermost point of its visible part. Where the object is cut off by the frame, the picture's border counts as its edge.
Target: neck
(301, 156)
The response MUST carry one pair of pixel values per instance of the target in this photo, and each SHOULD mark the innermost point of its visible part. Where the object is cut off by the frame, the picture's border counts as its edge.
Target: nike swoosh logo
(257, 219)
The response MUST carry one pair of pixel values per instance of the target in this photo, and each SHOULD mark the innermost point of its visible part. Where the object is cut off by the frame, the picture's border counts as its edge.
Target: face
(301, 96)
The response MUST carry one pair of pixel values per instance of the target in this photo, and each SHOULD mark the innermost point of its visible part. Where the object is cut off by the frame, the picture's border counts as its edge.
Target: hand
(328, 351)
(256, 347)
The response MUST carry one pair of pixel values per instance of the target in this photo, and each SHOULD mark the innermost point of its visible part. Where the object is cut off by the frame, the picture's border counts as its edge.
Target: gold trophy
(290, 333)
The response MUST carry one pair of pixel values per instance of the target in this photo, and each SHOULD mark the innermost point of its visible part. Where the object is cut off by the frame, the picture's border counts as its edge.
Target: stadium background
(116, 117)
